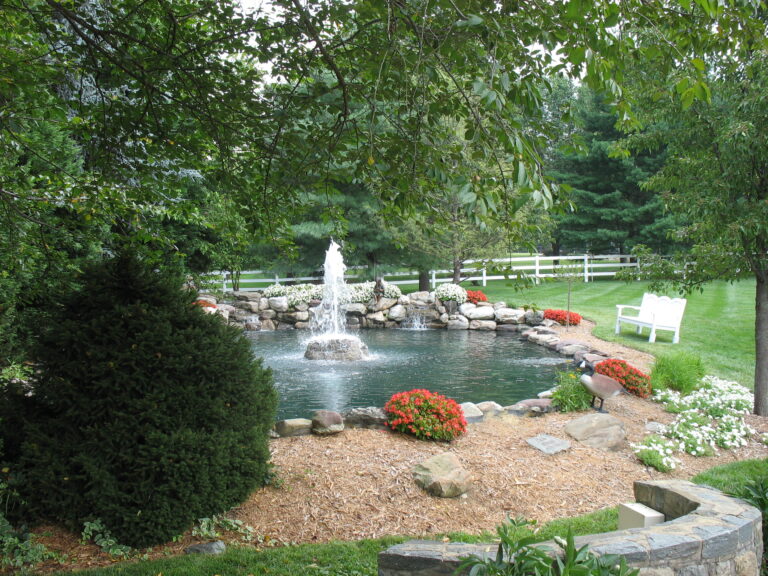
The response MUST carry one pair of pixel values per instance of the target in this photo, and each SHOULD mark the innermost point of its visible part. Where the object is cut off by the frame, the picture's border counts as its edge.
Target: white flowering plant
(364, 291)
(274, 291)
(710, 417)
(657, 451)
(301, 293)
(449, 291)
(694, 432)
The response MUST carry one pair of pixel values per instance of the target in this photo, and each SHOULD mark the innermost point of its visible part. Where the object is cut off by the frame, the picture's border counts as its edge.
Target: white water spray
(331, 341)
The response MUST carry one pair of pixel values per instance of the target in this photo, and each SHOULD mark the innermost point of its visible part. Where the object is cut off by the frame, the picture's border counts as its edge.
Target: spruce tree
(149, 413)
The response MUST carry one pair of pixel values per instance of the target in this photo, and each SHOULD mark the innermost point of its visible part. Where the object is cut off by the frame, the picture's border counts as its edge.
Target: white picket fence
(584, 267)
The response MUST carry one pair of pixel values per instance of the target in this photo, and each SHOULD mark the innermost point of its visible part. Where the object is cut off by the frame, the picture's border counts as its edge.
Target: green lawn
(718, 325)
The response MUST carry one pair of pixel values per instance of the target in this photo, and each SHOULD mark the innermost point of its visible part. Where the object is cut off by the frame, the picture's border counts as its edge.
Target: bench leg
(676, 337)
(652, 337)
(618, 327)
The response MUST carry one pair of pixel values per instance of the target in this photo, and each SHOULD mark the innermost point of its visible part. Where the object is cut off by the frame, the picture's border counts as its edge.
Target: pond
(466, 365)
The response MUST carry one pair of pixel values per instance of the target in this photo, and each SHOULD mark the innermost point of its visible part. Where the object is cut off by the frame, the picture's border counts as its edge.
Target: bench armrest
(622, 306)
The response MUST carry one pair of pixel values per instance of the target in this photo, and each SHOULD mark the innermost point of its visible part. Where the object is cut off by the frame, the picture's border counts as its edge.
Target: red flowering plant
(634, 381)
(204, 303)
(562, 317)
(476, 296)
(426, 415)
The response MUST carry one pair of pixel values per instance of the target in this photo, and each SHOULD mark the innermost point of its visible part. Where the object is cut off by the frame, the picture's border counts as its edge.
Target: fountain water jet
(329, 319)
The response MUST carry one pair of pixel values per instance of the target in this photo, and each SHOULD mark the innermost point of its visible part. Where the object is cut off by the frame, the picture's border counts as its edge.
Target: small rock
(442, 476)
(212, 548)
(472, 413)
(489, 408)
(655, 427)
(482, 325)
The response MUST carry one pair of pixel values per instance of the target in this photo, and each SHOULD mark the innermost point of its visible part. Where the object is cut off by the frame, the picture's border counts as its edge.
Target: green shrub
(570, 395)
(148, 412)
(681, 371)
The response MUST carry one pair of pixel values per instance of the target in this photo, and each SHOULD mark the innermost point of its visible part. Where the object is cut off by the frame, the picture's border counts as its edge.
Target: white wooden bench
(655, 312)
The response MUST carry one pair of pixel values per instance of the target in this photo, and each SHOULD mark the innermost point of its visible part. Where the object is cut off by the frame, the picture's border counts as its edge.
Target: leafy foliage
(147, 413)
(680, 371)
(570, 395)
(426, 415)
(518, 556)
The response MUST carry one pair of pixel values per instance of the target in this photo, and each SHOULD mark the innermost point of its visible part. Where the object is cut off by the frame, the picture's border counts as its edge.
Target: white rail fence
(583, 267)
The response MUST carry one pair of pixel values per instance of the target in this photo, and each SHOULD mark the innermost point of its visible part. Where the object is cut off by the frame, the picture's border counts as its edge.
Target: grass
(718, 325)
(358, 558)
(732, 478)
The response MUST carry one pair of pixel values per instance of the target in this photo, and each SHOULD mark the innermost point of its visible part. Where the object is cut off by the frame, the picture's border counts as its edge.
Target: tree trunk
(423, 280)
(457, 271)
(761, 345)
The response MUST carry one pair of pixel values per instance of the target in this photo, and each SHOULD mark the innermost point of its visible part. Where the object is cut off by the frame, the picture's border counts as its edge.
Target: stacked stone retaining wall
(706, 534)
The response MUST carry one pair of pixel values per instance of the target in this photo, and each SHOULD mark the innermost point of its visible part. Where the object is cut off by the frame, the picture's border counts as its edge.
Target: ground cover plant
(146, 413)
(709, 418)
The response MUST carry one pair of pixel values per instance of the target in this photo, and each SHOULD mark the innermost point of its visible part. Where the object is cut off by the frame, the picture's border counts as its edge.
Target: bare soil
(358, 484)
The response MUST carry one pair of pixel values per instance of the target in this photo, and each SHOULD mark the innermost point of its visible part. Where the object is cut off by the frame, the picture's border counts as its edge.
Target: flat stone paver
(548, 444)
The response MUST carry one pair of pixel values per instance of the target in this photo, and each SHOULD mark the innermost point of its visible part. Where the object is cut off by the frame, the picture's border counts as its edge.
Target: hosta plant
(426, 415)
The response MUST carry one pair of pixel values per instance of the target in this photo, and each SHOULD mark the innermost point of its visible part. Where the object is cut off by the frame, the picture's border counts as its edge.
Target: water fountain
(330, 340)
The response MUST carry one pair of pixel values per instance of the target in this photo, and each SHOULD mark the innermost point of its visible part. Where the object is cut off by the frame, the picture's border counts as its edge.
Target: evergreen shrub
(149, 413)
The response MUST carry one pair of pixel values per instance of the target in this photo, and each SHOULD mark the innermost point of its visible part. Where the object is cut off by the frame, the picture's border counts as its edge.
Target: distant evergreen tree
(147, 413)
(612, 212)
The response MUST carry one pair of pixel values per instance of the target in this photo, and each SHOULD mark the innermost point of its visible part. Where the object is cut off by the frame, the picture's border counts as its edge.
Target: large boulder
(293, 427)
(370, 417)
(510, 316)
(601, 431)
(481, 313)
(398, 313)
(342, 348)
(488, 325)
(327, 422)
(457, 322)
(442, 476)
(279, 303)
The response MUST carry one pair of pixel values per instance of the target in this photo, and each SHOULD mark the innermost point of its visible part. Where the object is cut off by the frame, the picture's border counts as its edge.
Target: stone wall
(706, 534)
(256, 312)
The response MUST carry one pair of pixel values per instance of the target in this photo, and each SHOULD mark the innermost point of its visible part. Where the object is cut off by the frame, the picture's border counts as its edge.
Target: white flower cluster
(694, 432)
(718, 397)
(274, 291)
(362, 292)
(710, 417)
(449, 291)
(657, 452)
(303, 293)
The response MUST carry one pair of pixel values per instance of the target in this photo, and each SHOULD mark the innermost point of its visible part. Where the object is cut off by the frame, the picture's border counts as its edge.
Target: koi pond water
(466, 365)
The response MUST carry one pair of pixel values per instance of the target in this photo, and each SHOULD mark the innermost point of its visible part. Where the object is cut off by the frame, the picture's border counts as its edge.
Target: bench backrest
(662, 309)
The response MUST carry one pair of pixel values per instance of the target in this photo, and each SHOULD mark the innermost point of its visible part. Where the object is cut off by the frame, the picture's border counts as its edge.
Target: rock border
(706, 534)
